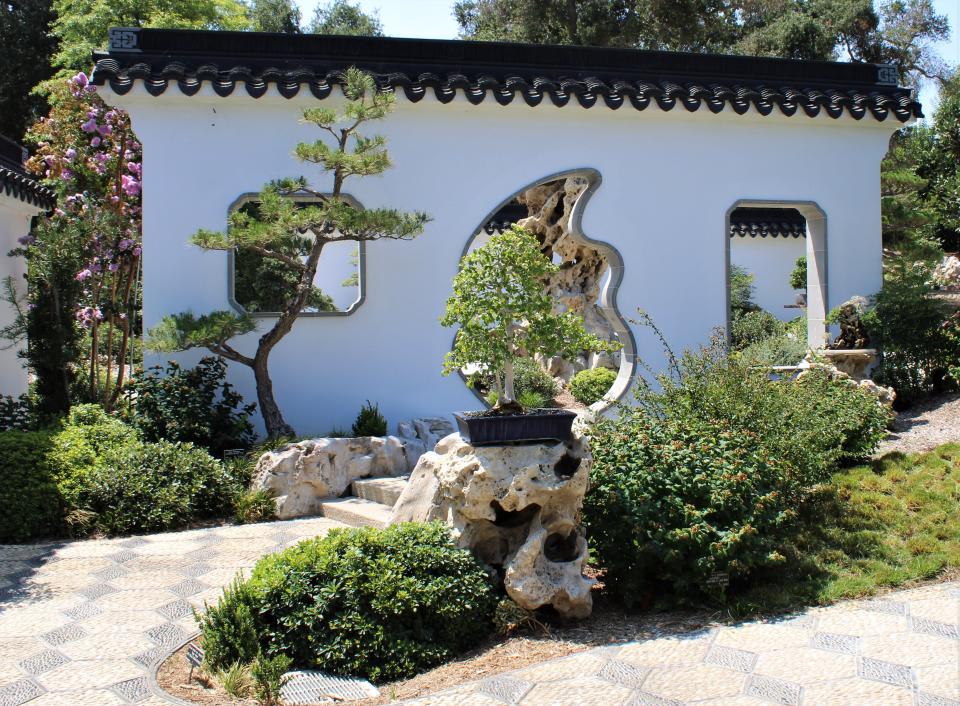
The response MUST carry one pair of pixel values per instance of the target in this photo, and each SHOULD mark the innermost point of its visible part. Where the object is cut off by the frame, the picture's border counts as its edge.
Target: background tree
(937, 153)
(275, 16)
(82, 25)
(26, 48)
(900, 32)
(332, 219)
(342, 17)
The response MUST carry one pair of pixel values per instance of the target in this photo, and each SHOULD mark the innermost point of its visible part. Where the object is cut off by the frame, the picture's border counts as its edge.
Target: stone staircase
(370, 504)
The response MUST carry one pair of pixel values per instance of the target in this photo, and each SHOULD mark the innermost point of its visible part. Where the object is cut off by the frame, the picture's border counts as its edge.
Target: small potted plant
(504, 314)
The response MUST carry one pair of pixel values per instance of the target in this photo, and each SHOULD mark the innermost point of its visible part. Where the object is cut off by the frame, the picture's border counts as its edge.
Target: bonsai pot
(485, 429)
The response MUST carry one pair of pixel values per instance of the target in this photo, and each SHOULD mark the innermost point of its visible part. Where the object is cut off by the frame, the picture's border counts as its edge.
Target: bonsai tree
(280, 221)
(504, 313)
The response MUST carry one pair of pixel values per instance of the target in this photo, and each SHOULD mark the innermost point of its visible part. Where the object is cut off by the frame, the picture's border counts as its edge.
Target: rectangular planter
(515, 428)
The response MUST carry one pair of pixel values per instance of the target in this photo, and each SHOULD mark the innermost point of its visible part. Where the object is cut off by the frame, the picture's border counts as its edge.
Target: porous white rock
(302, 474)
(947, 272)
(517, 508)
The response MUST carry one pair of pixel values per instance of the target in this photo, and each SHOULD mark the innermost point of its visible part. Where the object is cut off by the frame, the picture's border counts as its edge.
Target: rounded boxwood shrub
(589, 386)
(145, 487)
(87, 435)
(671, 504)
(382, 604)
(28, 494)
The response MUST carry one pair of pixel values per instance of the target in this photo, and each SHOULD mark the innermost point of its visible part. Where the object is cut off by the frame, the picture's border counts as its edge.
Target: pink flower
(66, 174)
(113, 267)
(84, 274)
(137, 250)
(104, 130)
(90, 125)
(95, 142)
(130, 186)
(125, 244)
(80, 80)
(70, 154)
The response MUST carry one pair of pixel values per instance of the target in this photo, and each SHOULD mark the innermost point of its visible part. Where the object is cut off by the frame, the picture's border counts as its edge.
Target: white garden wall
(15, 216)
(667, 182)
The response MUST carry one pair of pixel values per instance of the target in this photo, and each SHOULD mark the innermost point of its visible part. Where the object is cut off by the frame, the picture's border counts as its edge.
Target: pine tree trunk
(276, 425)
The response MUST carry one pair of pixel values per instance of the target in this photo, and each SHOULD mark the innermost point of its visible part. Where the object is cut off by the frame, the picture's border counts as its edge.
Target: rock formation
(576, 287)
(853, 334)
(303, 474)
(517, 508)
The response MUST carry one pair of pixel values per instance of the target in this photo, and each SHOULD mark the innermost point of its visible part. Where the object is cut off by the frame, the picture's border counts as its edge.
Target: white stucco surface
(15, 218)
(668, 180)
(770, 261)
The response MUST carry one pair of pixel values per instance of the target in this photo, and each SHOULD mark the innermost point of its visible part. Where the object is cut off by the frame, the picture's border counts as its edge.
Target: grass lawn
(880, 525)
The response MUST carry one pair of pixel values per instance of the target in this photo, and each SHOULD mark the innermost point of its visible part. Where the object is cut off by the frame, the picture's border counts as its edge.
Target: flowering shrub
(87, 152)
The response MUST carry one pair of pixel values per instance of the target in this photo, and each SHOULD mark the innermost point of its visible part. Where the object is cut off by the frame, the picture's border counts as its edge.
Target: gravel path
(925, 426)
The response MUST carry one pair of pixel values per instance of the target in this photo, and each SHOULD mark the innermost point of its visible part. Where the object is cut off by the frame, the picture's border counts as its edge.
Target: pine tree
(331, 219)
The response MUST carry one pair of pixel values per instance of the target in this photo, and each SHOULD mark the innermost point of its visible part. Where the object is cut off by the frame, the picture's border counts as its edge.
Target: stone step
(380, 490)
(356, 512)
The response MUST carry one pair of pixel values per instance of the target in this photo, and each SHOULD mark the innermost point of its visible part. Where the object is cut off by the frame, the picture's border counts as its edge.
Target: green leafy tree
(937, 151)
(901, 32)
(275, 16)
(343, 17)
(331, 219)
(504, 313)
(82, 25)
(26, 48)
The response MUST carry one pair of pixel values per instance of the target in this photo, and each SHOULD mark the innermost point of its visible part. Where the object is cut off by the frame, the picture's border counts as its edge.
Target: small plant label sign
(719, 578)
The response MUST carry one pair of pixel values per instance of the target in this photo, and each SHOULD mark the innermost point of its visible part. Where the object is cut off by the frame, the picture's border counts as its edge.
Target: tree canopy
(343, 17)
(899, 32)
(26, 48)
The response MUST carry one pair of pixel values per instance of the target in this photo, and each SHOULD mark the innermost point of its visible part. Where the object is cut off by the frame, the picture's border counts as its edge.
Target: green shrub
(255, 506)
(704, 473)
(369, 422)
(741, 290)
(145, 487)
(782, 349)
(672, 503)
(229, 628)
(32, 507)
(798, 275)
(752, 327)
(589, 386)
(268, 677)
(193, 405)
(529, 376)
(383, 604)
(908, 325)
(87, 435)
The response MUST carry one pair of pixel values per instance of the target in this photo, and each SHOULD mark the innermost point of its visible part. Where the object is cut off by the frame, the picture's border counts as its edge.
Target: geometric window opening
(261, 285)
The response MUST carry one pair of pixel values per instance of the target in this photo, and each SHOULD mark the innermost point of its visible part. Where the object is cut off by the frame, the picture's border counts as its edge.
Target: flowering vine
(87, 152)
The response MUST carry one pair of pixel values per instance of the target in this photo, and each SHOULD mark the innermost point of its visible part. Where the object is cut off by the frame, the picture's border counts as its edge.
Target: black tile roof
(499, 71)
(767, 223)
(14, 180)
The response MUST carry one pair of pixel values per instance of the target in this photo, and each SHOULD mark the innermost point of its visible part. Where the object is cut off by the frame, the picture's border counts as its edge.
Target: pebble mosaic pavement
(85, 623)
(901, 649)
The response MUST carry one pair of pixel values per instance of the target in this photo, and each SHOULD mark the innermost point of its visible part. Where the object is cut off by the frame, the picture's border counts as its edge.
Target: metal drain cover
(306, 688)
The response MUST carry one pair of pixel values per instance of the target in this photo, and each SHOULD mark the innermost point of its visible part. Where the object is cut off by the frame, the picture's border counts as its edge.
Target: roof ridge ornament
(124, 39)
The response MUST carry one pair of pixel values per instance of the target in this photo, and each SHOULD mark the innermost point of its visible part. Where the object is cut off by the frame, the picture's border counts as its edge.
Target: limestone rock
(576, 287)
(885, 395)
(517, 508)
(947, 272)
(853, 334)
(300, 475)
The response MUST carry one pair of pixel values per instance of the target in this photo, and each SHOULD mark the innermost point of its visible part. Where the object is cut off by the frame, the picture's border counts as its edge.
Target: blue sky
(434, 19)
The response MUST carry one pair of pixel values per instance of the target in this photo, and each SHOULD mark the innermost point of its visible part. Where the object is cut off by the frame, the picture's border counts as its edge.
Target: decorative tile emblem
(124, 39)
